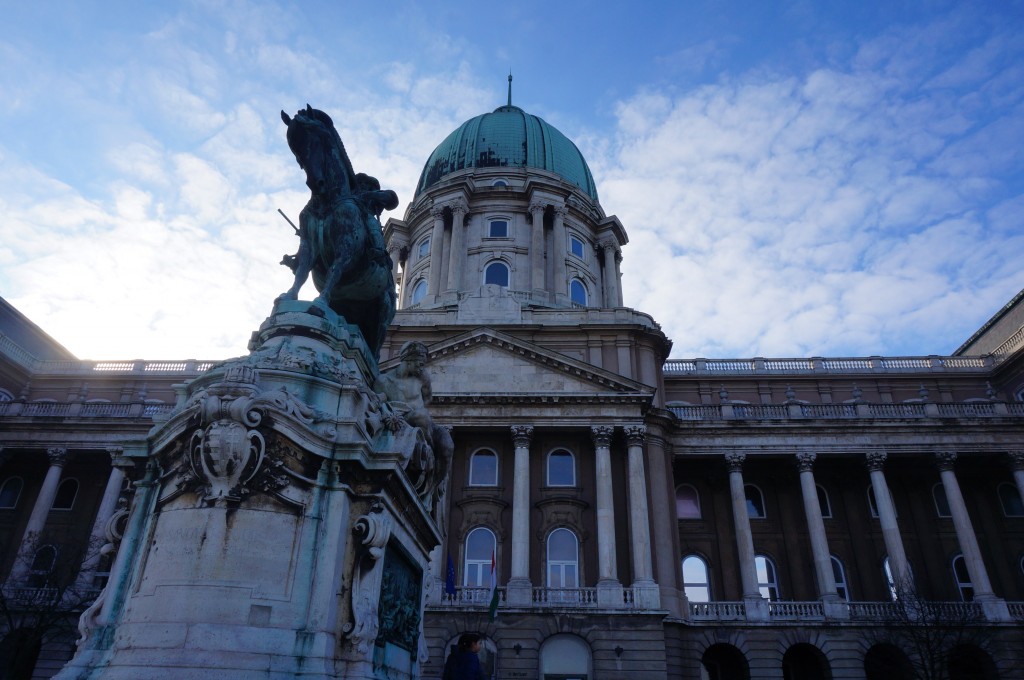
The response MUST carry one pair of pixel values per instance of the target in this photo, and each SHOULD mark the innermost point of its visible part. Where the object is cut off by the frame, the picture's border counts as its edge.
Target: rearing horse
(340, 237)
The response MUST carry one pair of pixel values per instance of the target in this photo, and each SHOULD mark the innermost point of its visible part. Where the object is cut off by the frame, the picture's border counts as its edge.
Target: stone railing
(731, 411)
(77, 409)
(545, 598)
(796, 611)
(718, 611)
(858, 612)
(821, 365)
(565, 597)
(471, 597)
(1016, 610)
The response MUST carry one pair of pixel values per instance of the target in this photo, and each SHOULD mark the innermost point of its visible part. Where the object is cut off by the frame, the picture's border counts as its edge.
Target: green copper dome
(508, 137)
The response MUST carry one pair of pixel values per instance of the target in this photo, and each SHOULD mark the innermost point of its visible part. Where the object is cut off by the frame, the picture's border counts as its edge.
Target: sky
(797, 177)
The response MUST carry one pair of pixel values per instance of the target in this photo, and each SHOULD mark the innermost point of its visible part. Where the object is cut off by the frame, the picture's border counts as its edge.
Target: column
(108, 506)
(520, 590)
(887, 518)
(816, 527)
(395, 253)
(436, 240)
(559, 237)
(456, 253)
(618, 276)
(962, 523)
(37, 520)
(741, 520)
(607, 573)
(611, 296)
(638, 515)
(1017, 465)
(537, 246)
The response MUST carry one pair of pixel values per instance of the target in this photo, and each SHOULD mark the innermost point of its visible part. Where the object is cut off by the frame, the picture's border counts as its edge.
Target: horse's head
(315, 143)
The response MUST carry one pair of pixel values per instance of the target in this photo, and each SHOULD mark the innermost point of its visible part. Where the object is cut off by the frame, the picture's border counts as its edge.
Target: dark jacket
(463, 664)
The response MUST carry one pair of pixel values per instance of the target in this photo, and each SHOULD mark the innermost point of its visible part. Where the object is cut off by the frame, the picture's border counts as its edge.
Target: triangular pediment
(485, 362)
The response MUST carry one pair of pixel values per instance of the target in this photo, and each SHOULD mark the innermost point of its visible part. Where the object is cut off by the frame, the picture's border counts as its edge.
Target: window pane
(498, 229)
(839, 575)
(418, 292)
(10, 492)
(755, 501)
(496, 274)
(1011, 501)
(562, 545)
(687, 502)
(480, 545)
(66, 492)
(941, 502)
(576, 247)
(766, 581)
(823, 502)
(483, 469)
(577, 292)
(424, 248)
(695, 579)
(560, 469)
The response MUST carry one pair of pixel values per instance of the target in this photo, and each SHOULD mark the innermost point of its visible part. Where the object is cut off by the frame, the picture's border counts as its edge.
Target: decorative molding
(805, 460)
(602, 435)
(734, 460)
(373, 529)
(522, 435)
(1016, 460)
(58, 455)
(875, 460)
(636, 433)
(945, 460)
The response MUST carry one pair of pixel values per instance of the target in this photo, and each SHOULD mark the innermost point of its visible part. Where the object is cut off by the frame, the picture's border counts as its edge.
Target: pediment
(485, 362)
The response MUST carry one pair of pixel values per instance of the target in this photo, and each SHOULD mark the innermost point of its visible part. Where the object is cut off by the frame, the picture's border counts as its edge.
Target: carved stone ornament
(1016, 460)
(225, 455)
(602, 435)
(521, 436)
(875, 460)
(805, 460)
(374, 530)
(734, 460)
(945, 460)
(58, 455)
(635, 434)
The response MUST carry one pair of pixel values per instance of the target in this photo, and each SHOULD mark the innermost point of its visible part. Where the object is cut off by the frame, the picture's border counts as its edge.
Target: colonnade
(902, 575)
(58, 457)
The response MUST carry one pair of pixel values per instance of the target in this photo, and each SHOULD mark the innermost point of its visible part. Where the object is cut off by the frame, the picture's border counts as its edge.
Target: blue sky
(796, 178)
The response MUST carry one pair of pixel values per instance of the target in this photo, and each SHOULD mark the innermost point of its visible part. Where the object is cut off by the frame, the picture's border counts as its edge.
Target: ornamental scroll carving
(373, 529)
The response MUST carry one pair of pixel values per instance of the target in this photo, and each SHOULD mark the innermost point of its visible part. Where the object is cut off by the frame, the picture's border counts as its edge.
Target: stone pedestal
(284, 526)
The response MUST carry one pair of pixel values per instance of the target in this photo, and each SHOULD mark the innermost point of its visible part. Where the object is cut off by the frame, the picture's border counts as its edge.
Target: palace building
(644, 516)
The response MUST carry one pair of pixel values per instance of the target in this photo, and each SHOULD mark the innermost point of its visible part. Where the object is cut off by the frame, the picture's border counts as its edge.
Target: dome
(508, 137)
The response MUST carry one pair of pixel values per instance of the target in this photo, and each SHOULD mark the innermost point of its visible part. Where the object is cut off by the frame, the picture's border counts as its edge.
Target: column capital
(875, 460)
(437, 211)
(608, 244)
(1016, 460)
(635, 434)
(558, 210)
(537, 206)
(58, 455)
(521, 435)
(458, 206)
(945, 460)
(805, 460)
(734, 460)
(602, 435)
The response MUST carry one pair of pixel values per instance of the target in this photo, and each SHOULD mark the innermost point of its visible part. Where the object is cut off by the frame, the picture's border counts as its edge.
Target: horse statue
(340, 238)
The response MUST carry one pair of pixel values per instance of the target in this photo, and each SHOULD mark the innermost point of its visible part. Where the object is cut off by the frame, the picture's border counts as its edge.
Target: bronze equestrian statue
(340, 238)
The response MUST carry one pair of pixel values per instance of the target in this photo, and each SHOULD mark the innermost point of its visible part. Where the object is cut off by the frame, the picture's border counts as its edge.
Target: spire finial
(510, 87)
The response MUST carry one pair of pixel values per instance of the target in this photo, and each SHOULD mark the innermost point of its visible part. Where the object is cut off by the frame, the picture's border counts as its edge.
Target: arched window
(1009, 498)
(963, 579)
(578, 292)
(890, 580)
(755, 502)
(563, 559)
(823, 502)
(497, 229)
(496, 273)
(10, 492)
(565, 656)
(839, 576)
(499, 184)
(483, 468)
(480, 550)
(687, 502)
(66, 494)
(43, 562)
(419, 291)
(767, 581)
(561, 469)
(6, 396)
(941, 502)
(577, 247)
(695, 579)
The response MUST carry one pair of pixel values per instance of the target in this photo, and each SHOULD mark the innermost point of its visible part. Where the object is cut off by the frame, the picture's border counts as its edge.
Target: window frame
(480, 453)
(572, 467)
(688, 585)
(771, 582)
(937, 489)
(575, 281)
(482, 567)
(839, 576)
(495, 220)
(65, 483)
(39, 577)
(419, 291)
(826, 509)
(582, 255)
(498, 263)
(750, 504)
(962, 585)
(17, 497)
(696, 498)
(561, 565)
(1015, 494)
(423, 249)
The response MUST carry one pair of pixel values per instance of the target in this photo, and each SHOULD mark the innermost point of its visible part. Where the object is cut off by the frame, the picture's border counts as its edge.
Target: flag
(449, 576)
(493, 609)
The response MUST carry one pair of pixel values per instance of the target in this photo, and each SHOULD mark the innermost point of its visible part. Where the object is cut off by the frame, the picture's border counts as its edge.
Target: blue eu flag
(449, 576)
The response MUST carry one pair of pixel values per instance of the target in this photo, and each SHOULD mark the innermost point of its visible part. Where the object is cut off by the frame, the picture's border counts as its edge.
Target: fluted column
(456, 256)
(962, 523)
(887, 518)
(37, 520)
(638, 515)
(559, 238)
(521, 436)
(537, 246)
(1017, 466)
(607, 572)
(741, 521)
(436, 241)
(611, 295)
(816, 527)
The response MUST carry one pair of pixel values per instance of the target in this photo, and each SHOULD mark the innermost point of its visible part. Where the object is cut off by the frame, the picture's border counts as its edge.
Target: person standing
(464, 661)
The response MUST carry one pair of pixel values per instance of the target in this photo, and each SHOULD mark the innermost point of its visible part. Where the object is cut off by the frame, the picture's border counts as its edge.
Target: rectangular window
(424, 248)
(497, 229)
(576, 247)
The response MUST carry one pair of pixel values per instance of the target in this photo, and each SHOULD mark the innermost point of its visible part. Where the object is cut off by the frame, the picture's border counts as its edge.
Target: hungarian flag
(493, 609)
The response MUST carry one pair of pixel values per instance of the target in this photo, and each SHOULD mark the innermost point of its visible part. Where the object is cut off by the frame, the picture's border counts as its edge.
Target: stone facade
(648, 517)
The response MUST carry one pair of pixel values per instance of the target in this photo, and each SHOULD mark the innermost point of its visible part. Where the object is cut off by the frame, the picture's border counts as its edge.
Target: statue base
(277, 532)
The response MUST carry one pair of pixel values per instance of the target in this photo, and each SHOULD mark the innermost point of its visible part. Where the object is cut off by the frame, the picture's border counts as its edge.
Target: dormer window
(497, 229)
(577, 247)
